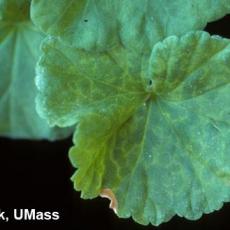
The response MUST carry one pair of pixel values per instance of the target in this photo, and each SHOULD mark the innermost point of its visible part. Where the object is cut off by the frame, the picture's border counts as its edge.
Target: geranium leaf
(19, 51)
(153, 140)
(101, 24)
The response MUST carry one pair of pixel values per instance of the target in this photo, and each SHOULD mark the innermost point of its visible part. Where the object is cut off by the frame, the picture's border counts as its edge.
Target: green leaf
(13, 11)
(135, 24)
(153, 136)
(73, 83)
(19, 51)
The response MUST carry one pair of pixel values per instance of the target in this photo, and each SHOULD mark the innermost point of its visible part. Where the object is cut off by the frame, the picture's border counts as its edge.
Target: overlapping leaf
(19, 51)
(155, 132)
(97, 25)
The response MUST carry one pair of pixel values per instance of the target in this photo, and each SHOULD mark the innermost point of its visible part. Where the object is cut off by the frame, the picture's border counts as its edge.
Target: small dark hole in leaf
(150, 82)
(86, 20)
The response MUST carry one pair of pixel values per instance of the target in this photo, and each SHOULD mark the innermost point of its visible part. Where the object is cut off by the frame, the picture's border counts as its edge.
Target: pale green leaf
(135, 24)
(19, 51)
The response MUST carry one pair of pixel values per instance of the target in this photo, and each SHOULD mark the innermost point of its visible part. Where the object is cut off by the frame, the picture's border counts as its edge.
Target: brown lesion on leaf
(108, 193)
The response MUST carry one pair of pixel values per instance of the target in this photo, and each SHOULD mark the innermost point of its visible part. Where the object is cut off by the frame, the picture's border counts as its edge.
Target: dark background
(36, 175)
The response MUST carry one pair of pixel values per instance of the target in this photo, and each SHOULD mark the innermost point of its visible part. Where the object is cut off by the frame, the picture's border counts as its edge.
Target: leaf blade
(154, 154)
(85, 24)
(19, 49)
(162, 170)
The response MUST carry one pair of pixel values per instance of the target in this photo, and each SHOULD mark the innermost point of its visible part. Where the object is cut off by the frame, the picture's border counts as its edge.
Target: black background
(36, 174)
